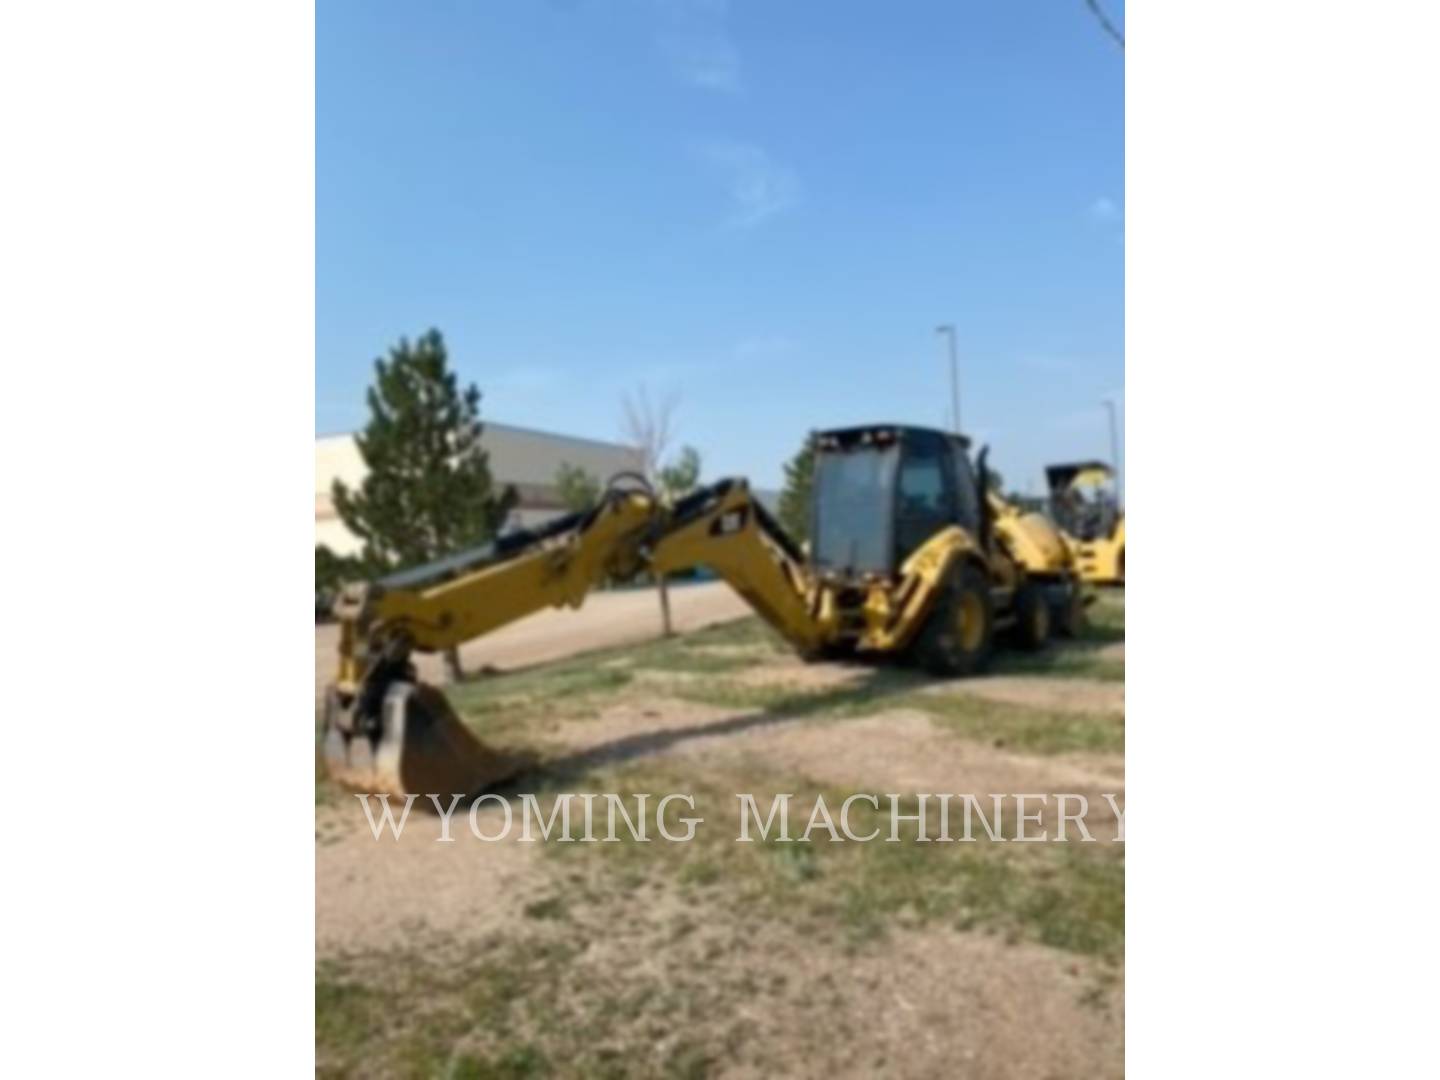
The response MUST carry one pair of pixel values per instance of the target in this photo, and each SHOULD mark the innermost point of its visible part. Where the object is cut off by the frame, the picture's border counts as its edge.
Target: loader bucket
(422, 748)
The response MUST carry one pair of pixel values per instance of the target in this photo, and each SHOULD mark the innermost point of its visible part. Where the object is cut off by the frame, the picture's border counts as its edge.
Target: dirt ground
(619, 617)
(506, 958)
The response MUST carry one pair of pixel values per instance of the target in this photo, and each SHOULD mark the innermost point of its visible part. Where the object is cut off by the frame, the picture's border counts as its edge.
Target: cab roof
(1062, 475)
(881, 434)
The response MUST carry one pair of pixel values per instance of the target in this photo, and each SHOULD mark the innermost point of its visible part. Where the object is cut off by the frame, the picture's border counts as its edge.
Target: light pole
(1114, 442)
(948, 330)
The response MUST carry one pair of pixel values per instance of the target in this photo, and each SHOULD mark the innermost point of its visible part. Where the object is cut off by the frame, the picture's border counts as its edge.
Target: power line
(1105, 23)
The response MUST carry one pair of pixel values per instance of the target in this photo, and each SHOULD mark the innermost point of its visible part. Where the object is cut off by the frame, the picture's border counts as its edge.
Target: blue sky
(763, 207)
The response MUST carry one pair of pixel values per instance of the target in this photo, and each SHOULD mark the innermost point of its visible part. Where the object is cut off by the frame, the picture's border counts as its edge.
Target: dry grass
(768, 958)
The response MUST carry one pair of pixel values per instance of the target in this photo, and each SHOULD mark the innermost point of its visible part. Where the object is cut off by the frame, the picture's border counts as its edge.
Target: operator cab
(1083, 501)
(881, 491)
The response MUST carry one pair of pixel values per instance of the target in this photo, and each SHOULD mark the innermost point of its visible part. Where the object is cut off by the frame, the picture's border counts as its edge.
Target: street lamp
(948, 330)
(1114, 441)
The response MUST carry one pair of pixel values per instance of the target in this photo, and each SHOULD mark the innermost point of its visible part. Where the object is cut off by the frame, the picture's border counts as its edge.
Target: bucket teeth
(422, 748)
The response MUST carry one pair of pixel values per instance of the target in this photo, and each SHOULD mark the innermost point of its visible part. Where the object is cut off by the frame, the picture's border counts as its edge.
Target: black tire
(1033, 617)
(959, 634)
(1068, 615)
(830, 651)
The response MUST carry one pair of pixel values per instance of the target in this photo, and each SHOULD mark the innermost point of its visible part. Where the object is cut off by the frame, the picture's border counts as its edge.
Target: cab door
(967, 491)
(925, 499)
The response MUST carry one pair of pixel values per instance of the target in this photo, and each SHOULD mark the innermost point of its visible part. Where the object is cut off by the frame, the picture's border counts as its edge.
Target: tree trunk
(666, 628)
(452, 665)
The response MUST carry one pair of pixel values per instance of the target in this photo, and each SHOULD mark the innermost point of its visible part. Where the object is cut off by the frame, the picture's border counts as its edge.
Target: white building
(526, 459)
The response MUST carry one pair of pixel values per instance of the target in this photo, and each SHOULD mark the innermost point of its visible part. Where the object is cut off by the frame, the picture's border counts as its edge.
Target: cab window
(968, 515)
(923, 496)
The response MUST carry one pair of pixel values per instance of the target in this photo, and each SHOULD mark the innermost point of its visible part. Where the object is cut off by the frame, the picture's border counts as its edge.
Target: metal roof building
(522, 457)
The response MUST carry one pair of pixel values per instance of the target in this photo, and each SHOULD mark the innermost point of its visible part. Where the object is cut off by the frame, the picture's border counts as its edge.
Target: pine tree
(795, 497)
(331, 571)
(427, 490)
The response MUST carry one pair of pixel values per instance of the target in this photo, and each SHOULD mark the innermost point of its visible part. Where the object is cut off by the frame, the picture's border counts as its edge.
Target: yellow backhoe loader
(1086, 507)
(911, 558)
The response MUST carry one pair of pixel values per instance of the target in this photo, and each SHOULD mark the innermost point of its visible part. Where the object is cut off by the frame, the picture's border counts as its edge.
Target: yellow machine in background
(1036, 549)
(911, 558)
(1086, 507)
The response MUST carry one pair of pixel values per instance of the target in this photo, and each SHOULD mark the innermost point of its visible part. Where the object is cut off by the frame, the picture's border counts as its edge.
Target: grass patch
(327, 792)
(727, 647)
(1041, 731)
(1108, 610)
(520, 703)
(1066, 896)
(1108, 670)
(517, 1008)
(687, 660)
(878, 685)
(519, 712)
(536, 687)
(1079, 659)
(551, 907)
(1038, 731)
(1069, 896)
(749, 631)
(398, 1014)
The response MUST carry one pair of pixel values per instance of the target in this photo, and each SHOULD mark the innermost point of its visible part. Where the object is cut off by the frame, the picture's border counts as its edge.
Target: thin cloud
(759, 187)
(1104, 209)
(696, 44)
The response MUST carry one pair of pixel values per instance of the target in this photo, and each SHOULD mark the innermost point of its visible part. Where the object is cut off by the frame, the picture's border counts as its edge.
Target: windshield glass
(852, 509)
(1086, 511)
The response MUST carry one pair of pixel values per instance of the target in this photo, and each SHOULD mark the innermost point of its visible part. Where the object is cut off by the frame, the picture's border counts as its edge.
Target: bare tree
(648, 426)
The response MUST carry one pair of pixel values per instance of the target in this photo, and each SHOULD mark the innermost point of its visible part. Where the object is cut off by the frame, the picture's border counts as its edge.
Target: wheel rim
(972, 622)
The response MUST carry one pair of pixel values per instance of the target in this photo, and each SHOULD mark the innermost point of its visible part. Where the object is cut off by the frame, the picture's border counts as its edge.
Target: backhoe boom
(385, 730)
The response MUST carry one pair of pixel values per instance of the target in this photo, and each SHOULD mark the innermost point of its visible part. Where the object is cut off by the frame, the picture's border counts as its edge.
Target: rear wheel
(1069, 614)
(1032, 617)
(960, 632)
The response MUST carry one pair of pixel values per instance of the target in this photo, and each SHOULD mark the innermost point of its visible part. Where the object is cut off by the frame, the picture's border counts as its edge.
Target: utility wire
(1105, 23)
